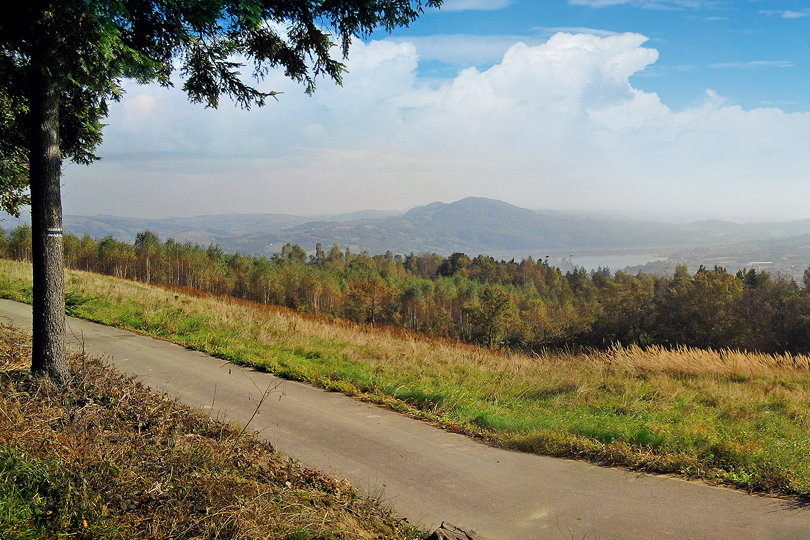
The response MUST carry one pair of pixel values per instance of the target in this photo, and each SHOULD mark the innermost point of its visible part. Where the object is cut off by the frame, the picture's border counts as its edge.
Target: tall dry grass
(686, 360)
(268, 324)
(105, 457)
(731, 416)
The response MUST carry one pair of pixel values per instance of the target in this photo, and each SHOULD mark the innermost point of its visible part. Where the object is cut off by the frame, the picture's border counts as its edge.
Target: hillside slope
(473, 225)
(108, 458)
(786, 256)
(477, 225)
(727, 416)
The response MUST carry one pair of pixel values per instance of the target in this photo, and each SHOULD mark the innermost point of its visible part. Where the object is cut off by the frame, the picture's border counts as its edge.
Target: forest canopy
(527, 304)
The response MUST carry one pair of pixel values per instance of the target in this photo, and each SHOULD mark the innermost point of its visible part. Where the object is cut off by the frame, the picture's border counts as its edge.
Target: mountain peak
(468, 205)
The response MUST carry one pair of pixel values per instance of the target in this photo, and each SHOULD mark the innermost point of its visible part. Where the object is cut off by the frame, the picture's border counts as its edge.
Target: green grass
(728, 417)
(38, 500)
(106, 458)
(22, 505)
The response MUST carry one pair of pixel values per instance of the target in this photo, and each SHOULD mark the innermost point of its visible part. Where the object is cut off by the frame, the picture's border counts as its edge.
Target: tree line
(527, 304)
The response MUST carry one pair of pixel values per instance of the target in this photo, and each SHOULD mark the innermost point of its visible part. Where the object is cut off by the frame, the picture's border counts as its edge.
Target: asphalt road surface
(429, 475)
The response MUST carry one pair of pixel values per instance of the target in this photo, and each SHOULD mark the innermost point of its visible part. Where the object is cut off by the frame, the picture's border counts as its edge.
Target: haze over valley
(477, 225)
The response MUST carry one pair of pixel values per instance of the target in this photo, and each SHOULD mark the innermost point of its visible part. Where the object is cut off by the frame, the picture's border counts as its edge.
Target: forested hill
(477, 225)
(472, 225)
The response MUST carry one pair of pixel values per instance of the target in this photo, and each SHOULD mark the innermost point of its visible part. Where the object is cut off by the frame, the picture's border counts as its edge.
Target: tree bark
(49, 355)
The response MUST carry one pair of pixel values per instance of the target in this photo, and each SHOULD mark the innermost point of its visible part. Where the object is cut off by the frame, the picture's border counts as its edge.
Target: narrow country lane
(429, 475)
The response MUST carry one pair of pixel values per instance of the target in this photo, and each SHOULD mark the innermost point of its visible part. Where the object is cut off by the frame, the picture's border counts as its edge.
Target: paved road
(429, 475)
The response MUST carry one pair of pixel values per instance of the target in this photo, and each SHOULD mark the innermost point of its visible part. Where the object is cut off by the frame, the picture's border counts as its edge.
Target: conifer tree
(62, 62)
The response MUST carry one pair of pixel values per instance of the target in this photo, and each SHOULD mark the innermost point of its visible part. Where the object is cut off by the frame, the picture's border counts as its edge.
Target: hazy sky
(668, 109)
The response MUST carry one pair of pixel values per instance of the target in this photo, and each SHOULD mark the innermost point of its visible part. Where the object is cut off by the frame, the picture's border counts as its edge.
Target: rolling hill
(788, 256)
(478, 225)
(472, 225)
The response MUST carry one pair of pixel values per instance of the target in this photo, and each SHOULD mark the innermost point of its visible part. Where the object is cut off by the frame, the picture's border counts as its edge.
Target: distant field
(738, 419)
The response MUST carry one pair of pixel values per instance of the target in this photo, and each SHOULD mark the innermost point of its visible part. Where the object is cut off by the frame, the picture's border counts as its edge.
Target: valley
(473, 226)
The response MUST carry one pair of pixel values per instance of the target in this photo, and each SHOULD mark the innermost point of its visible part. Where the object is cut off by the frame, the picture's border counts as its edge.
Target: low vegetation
(527, 305)
(107, 458)
(737, 418)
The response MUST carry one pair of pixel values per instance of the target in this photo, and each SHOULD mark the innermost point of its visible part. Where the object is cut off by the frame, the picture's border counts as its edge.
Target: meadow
(739, 419)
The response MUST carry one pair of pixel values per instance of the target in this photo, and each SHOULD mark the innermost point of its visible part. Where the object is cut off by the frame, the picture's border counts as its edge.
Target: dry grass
(726, 416)
(395, 346)
(690, 361)
(107, 458)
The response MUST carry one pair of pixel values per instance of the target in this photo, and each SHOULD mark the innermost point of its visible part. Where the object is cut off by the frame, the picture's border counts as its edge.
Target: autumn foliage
(527, 304)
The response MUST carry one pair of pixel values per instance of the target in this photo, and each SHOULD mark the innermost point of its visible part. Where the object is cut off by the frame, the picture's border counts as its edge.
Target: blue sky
(754, 52)
(656, 109)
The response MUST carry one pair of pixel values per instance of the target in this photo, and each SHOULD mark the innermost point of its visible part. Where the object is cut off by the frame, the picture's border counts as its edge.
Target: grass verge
(722, 416)
(107, 458)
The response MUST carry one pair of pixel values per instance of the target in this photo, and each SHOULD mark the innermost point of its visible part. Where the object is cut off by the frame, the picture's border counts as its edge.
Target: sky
(671, 110)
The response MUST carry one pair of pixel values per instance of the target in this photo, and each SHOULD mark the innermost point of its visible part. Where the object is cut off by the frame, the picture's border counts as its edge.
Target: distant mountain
(478, 225)
(473, 225)
(355, 216)
(200, 229)
(203, 229)
(788, 256)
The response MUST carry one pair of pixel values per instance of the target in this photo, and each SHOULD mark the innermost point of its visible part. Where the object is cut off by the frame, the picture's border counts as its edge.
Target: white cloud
(464, 49)
(477, 50)
(553, 125)
(598, 3)
(141, 104)
(645, 4)
(787, 14)
(753, 64)
(474, 5)
(550, 30)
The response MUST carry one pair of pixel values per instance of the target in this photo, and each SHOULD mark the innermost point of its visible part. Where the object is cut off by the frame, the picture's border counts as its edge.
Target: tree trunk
(49, 355)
